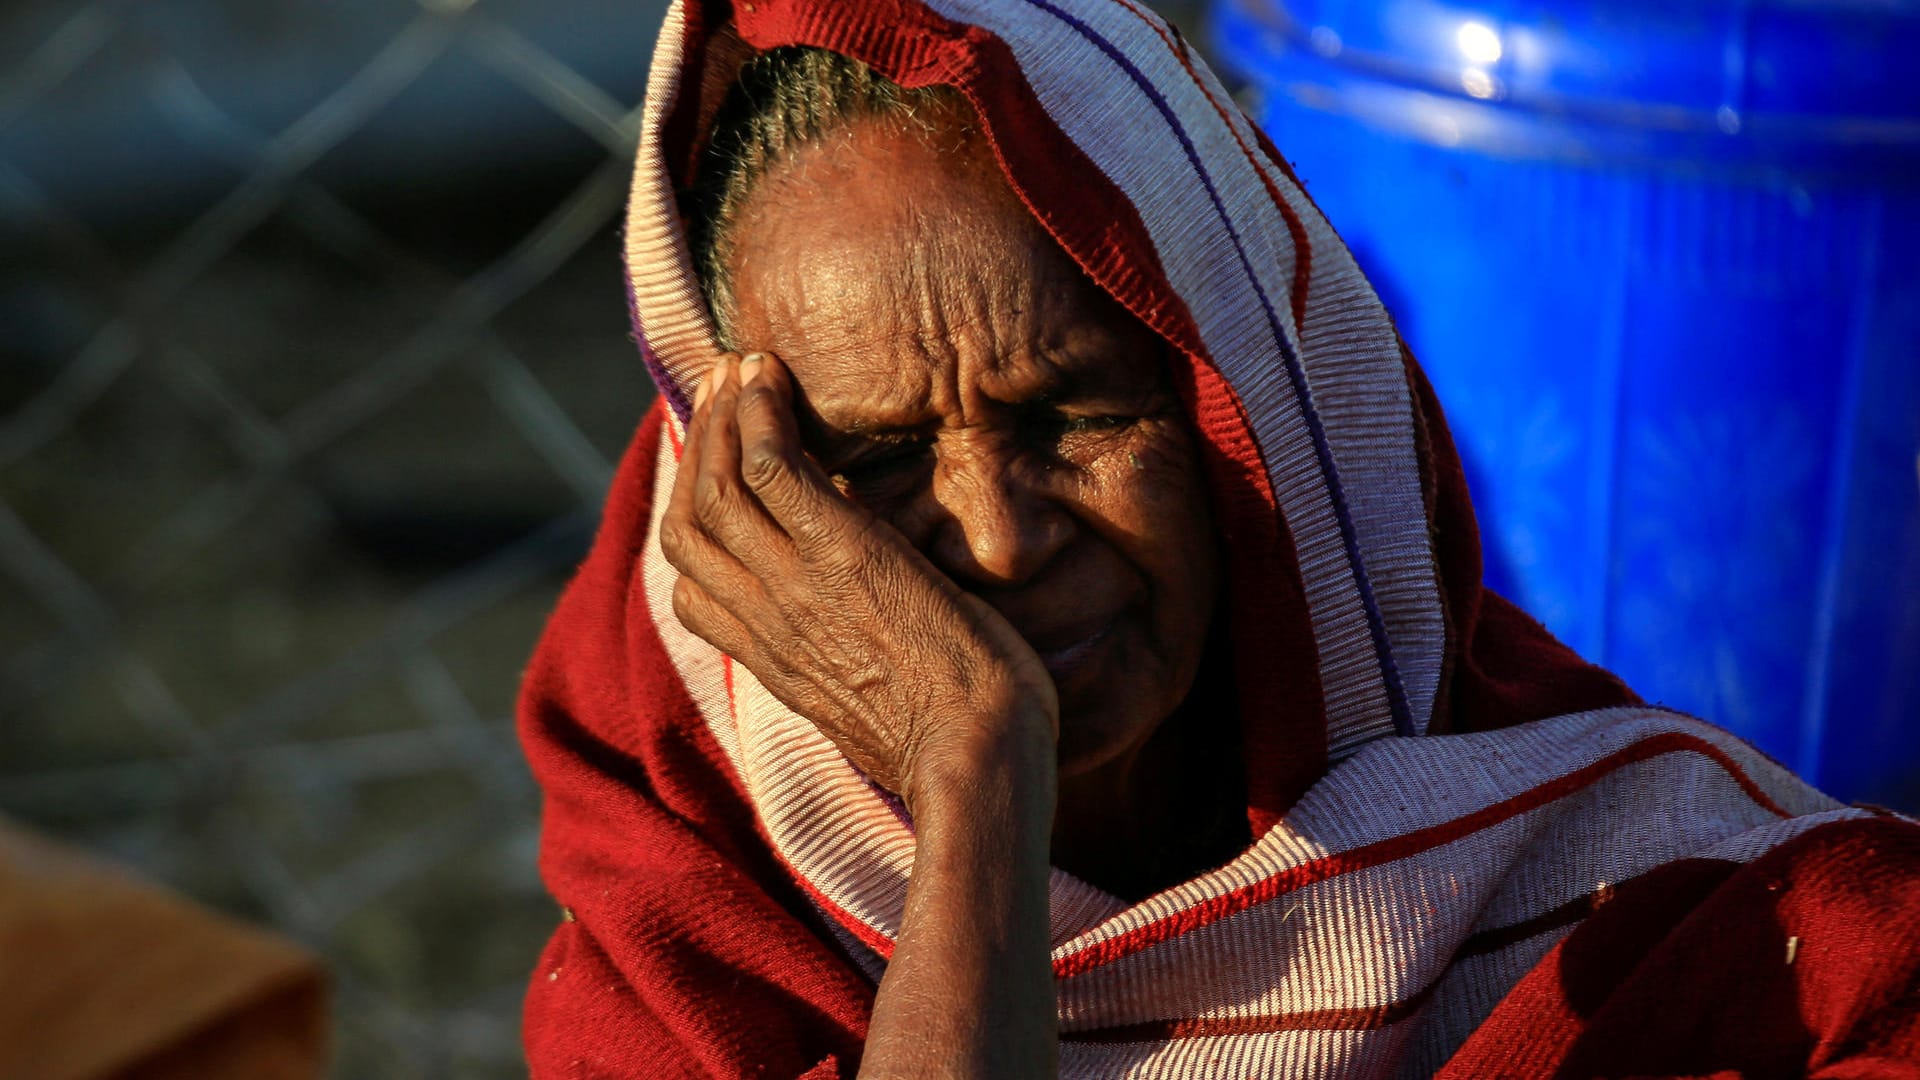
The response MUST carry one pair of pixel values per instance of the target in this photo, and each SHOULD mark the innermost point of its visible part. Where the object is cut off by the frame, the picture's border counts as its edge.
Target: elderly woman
(1040, 630)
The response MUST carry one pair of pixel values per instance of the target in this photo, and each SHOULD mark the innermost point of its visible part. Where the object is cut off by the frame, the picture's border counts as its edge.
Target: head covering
(1429, 772)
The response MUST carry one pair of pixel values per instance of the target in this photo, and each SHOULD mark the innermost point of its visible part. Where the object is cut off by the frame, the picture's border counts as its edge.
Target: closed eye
(1052, 430)
(891, 466)
(1073, 424)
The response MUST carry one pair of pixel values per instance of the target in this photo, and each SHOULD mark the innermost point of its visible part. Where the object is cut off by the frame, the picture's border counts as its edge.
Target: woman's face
(965, 381)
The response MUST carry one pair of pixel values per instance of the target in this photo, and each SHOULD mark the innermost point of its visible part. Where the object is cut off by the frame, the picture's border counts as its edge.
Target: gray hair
(785, 99)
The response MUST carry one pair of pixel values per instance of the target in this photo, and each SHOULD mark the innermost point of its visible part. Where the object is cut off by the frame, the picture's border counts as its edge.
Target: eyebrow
(864, 429)
(831, 443)
(1070, 377)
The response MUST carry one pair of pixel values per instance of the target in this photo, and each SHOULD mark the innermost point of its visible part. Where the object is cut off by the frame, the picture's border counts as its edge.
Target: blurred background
(1661, 259)
(313, 365)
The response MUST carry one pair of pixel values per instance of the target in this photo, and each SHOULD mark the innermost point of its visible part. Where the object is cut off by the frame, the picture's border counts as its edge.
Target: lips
(1063, 650)
(1087, 599)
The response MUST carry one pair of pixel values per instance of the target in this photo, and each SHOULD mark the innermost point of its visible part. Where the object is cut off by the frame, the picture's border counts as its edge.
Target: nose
(1000, 521)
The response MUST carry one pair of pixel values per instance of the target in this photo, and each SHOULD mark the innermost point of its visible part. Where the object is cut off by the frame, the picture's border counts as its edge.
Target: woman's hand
(922, 685)
(831, 608)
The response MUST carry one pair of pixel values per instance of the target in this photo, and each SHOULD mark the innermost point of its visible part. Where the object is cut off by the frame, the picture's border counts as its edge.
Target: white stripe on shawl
(1415, 1045)
(1466, 996)
(1377, 938)
(670, 314)
(1513, 870)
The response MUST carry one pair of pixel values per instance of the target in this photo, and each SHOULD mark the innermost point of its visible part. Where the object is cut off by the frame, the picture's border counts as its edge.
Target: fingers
(679, 536)
(709, 619)
(706, 567)
(789, 484)
(746, 501)
(722, 503)
(709, 505)
(686, 539)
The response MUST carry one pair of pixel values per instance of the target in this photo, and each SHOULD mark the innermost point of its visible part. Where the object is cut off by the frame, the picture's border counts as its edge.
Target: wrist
(1004, 763)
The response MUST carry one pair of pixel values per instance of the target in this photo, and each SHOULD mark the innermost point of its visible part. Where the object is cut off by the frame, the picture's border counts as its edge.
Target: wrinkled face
(964, 380)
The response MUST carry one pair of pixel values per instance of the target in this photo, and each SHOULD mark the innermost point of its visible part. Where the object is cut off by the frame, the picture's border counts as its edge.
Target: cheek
(1152, 494)
(914, 514)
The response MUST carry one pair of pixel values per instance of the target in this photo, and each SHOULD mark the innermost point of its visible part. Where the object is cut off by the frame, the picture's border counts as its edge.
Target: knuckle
(677, 540)
(712, 498)
(805, 622)
(763, 464)
(757, 403)
(858, 559)
(820, 533)
(777, 665)
(843, 576)
(686, 602)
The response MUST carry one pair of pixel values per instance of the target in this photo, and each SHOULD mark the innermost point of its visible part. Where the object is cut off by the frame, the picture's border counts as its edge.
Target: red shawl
(1548, 875)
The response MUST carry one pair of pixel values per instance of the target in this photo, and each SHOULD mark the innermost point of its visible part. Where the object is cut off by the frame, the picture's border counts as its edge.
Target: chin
(1108, 711)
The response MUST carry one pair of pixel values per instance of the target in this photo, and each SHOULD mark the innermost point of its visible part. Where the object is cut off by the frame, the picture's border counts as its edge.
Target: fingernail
(750, 367)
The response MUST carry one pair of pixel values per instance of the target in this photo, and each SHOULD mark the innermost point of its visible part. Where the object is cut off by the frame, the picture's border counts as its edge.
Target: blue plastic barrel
(1662, 261)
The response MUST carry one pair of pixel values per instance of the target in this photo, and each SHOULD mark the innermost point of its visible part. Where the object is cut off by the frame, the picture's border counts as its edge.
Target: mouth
(1063, 658)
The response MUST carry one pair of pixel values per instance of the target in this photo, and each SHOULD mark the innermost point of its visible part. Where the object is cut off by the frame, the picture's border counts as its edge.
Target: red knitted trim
(873, 939)
(1276, 659)
(1400, 847)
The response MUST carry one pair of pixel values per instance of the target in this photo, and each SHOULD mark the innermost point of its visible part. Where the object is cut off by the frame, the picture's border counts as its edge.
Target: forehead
(899, 265)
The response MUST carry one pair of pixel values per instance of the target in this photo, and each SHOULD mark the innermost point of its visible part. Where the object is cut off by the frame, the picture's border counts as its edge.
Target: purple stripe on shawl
(1376, 625)
(668, 388)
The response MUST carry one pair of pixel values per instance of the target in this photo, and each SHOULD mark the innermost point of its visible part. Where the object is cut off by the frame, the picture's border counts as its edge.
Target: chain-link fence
(314, 365)
(313, 362)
